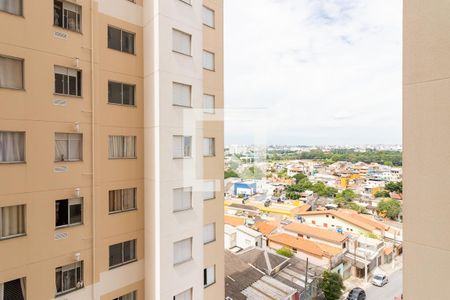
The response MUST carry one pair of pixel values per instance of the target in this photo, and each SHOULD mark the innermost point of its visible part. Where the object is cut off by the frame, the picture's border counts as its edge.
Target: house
(319, 254)
(248, 238)
(315, 234)
(233, 220)
(244, 188)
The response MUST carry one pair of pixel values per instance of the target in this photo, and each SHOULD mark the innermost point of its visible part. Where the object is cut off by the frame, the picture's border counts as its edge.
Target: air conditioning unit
(80, 284)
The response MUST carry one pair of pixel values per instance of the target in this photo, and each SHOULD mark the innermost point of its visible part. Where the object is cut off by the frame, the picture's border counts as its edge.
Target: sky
(313, 72)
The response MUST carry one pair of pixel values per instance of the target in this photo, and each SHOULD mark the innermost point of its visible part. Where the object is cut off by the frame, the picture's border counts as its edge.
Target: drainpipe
(93, 148)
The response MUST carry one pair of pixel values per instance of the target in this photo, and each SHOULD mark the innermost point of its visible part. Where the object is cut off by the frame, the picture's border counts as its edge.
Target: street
(389, 291)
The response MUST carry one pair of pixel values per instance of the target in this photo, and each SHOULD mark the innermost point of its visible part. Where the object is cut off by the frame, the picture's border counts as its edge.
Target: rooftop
(323, 234)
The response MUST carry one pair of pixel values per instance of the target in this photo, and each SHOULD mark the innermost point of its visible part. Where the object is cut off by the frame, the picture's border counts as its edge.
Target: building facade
(426, 115)
(111, 149)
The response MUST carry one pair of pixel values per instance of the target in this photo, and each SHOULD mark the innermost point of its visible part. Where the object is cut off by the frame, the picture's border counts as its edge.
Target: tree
(396, 187)
(298, 177)
(356, 207)
(252, 173)
(332, 285)
(382, 194)
(390, 208)
(285, 251)
(230, 173)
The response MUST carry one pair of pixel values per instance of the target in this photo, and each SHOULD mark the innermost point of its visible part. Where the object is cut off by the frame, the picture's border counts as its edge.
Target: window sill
(12, 162)
(64, 95)
(68, 226)
(212, 155)
(67, 29)
(211, 70)
(209, 242)
(209, 199)
(210, 27)
(182, 210)
(12, 14)
(119, 158)
(121, 211)
(68, 161)
(13, 89)
(68, 292)
(134, 54)
(184, 54)
(182, 106)
(12, 236)
(208, 285)
(183, 262)
(121, 104)
(185, 157)
(123, 264)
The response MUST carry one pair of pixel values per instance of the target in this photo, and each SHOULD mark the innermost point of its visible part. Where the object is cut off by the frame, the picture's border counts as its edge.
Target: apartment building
(111, 149)
(426, 115)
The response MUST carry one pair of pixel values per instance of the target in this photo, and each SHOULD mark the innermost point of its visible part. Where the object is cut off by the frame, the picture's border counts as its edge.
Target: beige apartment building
(111, 149)
(426, 84)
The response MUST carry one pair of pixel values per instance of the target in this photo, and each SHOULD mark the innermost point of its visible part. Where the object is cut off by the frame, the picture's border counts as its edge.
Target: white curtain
(208, 103)
(182, 251)
(129, 198)
(208, 60)
(208, 17)
(208, 190)
(11, 72)
(208, 146)
(181, 94)
(186, 295)
(209, 233)
(187, 146)
(12, 146)
(181, 42)
(11, 6)
(115, 146)
(210, 275)
(12, 220)
(74, 146)
(115, 200)
(182, 199)
(68, 146)
(129, 146)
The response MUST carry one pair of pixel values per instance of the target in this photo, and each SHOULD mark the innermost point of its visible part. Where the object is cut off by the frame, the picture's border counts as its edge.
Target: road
(391, 290)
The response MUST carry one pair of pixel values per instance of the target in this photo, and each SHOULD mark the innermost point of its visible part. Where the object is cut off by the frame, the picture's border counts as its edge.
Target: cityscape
(224, 150)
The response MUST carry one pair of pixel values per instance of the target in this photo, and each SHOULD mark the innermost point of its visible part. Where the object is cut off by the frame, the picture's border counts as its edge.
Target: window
(122, 146)
(120, 93)
(182, 251)
(120, 40)
(181, 94)
(122, 200)
(181, 42)
(209, 233)
(209, 146)
(12, 221)
(208, 60)
(122, 253)
(182, 146)
(68, 146)
(11, 72)
(129, 296)
(209, 103)
(67, 15)
(69, 212)
(67, 81)
(11, 6)
(208, 190)
(182, 199)
(209, 276)
(12, 146)
(208, 17)
(186, 295)
(14, 289)
(69, 278)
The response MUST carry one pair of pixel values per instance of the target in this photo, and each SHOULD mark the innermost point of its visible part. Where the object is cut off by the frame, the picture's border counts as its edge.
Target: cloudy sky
(313, 72)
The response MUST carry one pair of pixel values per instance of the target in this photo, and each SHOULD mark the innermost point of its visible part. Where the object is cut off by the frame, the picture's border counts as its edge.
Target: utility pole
(393, 251)
(306, 275)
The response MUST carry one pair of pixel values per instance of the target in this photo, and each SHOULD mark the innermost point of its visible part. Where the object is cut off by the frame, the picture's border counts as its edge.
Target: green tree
(356, 207)
(285, 251)
(390, 208)
(230, 173)
(332, 285)
(382, 194)
(299, 177)
(252, 173)
(396, 187)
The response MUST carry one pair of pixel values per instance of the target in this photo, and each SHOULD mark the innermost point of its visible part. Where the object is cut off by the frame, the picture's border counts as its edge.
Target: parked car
(356, 294)
(379, 280)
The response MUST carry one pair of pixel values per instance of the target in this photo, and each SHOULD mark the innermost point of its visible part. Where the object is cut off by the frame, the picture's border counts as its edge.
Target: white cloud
(325, 71)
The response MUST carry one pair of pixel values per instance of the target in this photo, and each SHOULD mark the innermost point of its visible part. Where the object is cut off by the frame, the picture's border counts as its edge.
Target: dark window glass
(128, 94)
(115, 254)
(129, 251)
(128, 42)
(205, 277)
(58, 13)
(12, 290)
(62, 212)
(114, 38)
(75, 213)
(114, 92)
(59, 83)
(73, 85)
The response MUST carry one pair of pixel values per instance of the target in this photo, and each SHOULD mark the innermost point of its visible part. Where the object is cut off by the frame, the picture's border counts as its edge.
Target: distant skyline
(313, 72)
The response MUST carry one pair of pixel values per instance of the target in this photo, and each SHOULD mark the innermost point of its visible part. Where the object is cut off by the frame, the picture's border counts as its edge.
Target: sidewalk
(387, 269)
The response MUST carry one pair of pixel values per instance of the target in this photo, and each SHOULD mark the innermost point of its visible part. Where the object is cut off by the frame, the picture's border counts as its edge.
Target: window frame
(210, 140)
(18, 15)
(190, 42)
(122, 84)
(79, 14)
(214, 17)
(183, 140)
(22, 283)
(69, 224)
(188, 2)
(190, 199)
(79, 82)
(174, 83)
(123, 157)
(76, 265)
(24, 148)
(22, 61)
(121, 39)
(205, 275)
(186, 259)
(213, 60)
(133, 293)
(80, 159)
(24, 233)
(189, 290)
(214, 190)
(213, 224)
(206, 110)
(112, 212)
(123, 262)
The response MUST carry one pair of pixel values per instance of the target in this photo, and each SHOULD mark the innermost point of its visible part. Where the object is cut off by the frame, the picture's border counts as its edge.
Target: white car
(380, 280)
